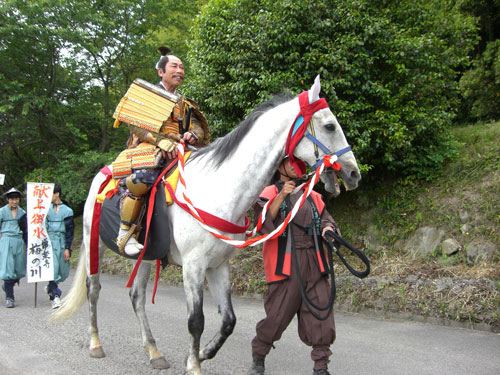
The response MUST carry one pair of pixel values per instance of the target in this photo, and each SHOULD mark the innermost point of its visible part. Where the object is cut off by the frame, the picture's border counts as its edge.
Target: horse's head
(324, 136)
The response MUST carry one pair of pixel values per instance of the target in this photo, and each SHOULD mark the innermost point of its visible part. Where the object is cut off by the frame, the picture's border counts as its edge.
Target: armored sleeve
(154, 138)
(200, 132)
(198, 124)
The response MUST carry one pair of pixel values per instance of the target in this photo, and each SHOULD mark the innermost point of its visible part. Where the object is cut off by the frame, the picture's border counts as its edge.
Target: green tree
(112, 41)
(65, 64)
(488, 13)
(481, 84)
(389, 68)
(36, 89)
(75, 172)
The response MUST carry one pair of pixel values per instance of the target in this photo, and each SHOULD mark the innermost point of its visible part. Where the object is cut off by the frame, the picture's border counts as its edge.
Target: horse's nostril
(355, 175)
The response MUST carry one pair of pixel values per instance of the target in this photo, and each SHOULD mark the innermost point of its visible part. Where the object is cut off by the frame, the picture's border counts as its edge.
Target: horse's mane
(223, 147)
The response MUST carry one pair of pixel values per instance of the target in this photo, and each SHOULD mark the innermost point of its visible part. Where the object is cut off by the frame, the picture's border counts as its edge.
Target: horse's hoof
(97, 352)
(159, 363)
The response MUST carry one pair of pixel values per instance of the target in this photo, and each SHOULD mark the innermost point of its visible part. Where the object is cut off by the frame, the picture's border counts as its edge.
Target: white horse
(224, 179)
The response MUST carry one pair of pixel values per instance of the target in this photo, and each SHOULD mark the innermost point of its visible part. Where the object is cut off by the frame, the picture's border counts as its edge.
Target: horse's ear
(314, 90)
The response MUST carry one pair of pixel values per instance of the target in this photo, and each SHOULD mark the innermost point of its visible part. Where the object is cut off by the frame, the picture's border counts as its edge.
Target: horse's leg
(193, 277)
(138, 297)
(93, 289)
(218, 282)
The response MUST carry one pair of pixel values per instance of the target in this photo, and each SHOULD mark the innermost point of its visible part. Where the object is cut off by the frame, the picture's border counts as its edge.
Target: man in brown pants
(283, 298)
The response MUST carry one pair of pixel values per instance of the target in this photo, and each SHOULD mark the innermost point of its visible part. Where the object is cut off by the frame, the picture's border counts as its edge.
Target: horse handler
(283, 297)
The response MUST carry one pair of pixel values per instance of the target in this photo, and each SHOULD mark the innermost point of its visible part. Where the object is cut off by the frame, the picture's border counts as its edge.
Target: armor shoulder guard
(203, 123)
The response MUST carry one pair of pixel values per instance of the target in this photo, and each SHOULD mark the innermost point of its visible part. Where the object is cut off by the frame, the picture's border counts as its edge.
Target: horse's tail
(77, 295)
(78, 292)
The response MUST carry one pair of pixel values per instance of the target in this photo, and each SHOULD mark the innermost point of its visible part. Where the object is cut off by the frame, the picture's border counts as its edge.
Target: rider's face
(173, 75)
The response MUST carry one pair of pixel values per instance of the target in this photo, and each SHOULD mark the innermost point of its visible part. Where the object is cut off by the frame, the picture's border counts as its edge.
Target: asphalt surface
(29, 344)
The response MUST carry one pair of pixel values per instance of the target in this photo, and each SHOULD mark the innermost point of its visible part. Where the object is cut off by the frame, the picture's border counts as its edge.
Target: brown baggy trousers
(283, 300)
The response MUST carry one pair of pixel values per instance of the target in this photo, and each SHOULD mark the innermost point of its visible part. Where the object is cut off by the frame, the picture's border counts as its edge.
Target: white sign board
(2, 179)
(40, 265)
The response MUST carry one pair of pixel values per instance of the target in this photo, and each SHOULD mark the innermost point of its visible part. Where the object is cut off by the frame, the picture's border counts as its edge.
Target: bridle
(299, 129)
(318, 145)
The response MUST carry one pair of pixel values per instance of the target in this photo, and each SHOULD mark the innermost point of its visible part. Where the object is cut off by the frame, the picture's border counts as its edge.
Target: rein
(331, 236)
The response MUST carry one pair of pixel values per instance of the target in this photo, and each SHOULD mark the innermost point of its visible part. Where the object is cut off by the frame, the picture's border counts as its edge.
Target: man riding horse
(185, 124)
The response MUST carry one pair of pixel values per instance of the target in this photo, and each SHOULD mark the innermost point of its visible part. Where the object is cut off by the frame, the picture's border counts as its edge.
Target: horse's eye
(330, 127)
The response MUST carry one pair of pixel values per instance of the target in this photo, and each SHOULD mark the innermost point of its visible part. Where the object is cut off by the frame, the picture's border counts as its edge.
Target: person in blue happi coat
(12, 244)
(60, 227)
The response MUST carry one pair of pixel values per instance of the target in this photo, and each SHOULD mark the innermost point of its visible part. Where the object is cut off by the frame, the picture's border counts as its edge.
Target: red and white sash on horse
(187, 205)
(96, 220)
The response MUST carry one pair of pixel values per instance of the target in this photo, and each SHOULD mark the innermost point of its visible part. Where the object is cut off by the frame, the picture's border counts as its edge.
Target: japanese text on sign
(40, 265)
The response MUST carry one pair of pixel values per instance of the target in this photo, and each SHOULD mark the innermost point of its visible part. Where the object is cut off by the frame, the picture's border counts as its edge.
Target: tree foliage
(481, 84)
(488, 14)
(65, 64)
(111, 42)
(75, 173)
(36, 86)
(388, 68)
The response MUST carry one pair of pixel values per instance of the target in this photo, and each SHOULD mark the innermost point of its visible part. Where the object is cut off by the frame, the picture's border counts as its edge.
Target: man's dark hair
(13, 195)
(57, 189)
(275, 178)
(162, 63)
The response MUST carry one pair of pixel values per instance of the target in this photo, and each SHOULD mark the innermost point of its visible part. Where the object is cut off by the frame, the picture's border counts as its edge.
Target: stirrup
(123, 240)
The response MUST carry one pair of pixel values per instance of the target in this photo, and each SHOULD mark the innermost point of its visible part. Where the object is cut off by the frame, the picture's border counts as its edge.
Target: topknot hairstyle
(164, 57)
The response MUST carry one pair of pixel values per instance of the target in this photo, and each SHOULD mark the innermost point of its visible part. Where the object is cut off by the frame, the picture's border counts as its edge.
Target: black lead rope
(330, 236)
(307, 301)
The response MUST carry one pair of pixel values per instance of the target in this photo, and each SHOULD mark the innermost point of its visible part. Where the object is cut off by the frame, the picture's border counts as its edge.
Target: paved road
(31, 345)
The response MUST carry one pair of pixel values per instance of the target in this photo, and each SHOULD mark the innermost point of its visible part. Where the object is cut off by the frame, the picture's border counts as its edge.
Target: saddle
(159, 231)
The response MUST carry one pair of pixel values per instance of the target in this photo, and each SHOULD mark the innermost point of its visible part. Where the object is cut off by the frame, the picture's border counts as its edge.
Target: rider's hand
(189, 137)
(168, 148)
(167, 145)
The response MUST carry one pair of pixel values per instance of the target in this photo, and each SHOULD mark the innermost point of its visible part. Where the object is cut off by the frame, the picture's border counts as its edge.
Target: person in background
(283, 299)
(12, 245)
(60, 227)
